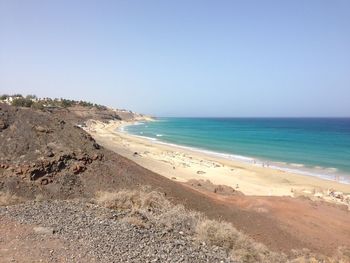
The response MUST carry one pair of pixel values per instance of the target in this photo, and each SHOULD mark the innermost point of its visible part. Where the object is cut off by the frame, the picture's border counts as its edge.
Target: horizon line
(258, 117)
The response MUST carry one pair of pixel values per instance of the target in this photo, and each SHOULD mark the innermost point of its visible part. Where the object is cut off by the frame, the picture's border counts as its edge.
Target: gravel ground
(98, 234)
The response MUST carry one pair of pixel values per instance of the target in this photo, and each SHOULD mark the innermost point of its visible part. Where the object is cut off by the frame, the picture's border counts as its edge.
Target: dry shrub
(7, 198)
(342, 255)
(152, 202)
(180, 219)
(150, 207)
(248, 250)
(120, 200)
(306, 256)
(216, 233)
(242, 248)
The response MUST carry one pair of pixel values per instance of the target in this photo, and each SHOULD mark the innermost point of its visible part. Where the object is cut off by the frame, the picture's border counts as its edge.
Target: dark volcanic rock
(39, 145)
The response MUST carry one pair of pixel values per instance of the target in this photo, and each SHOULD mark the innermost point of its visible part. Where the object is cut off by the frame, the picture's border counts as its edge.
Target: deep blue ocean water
(314, 146)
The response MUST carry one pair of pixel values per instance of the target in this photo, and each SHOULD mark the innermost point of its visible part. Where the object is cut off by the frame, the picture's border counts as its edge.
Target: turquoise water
(314, 146)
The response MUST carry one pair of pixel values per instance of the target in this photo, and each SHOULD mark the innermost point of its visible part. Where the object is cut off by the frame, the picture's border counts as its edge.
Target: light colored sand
(181, 165)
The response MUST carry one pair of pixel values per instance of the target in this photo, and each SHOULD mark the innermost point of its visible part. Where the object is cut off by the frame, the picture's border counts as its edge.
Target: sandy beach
(181, 164)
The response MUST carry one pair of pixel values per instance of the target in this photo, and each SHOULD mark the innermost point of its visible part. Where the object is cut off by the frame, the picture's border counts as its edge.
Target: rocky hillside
(73, 110)
(47, 152)
(41, 149)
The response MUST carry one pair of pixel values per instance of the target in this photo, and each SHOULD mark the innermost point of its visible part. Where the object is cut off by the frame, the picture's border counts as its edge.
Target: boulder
(44, 230)
(78, 168)
(49, 153)
(41, 129)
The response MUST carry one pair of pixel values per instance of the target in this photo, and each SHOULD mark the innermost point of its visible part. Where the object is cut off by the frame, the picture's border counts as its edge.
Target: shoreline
(300, 169)
(181, 163)
(325, 173)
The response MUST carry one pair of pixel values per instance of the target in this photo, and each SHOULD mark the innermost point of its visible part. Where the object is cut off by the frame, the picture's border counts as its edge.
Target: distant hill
(78, 111)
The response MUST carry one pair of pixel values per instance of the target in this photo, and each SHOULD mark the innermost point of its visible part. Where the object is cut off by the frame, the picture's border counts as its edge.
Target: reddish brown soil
(285, 223)
(20, 243)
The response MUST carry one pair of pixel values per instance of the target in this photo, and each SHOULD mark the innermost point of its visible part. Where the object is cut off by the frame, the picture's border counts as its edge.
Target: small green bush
(22, 102)
(4, 97)
(66, 103)
(38, 105)
(31, 97)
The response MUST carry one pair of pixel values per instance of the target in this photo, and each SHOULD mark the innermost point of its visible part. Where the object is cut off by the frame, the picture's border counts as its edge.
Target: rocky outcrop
(40, 149)
(49, 167)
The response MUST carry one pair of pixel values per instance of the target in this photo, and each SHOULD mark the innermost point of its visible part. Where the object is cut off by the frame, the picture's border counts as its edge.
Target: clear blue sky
(182, 58)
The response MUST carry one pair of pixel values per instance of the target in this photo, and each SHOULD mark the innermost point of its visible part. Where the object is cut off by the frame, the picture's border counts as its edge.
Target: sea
(310, 146)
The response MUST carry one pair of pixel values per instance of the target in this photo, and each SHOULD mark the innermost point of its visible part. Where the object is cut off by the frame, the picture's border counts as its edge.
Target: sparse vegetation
(144, 208)
(4, 97)
(66, 103)
(31, 97)
(305, 256)
(34, 102)
(38, 105)
(100, 107)
(151, 207)
(22, 102)
(241, 247)
(85, 104)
